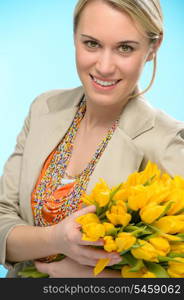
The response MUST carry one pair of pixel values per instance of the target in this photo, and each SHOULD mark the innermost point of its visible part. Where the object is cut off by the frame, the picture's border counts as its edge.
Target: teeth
(104, 83)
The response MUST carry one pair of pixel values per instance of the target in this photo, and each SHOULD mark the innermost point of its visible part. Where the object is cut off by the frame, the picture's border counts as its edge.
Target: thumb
(41, 267)
(85, 210)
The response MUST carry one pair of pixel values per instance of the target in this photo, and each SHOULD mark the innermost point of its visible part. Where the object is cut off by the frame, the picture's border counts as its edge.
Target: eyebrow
(121, 42)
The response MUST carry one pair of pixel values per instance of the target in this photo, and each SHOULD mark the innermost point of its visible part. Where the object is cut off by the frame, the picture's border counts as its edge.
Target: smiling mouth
(104, 83)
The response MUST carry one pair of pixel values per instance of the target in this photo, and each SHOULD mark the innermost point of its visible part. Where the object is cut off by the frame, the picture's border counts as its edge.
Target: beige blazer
(143, 133)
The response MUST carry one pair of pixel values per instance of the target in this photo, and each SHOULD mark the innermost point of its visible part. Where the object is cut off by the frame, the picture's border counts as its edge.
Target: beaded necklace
(47, 208)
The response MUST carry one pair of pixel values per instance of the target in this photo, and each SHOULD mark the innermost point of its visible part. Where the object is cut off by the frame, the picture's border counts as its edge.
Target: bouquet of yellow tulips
(143, 220)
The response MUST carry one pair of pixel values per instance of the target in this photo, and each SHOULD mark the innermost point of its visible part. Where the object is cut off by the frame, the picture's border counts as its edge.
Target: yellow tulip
(178, 247)
(100, 266)
(122, 194)
(170, 224)
(119, 208)
(109, 243)
(149, 274)
(166, 179)
(87, 199)
(146, 251)
(160, 244)
(150, 174)
(102, 198)
(101, 193)
(117, 214)
(151, 171)
(109, 228)
(126, 273)
(177, 197)
(143, 273)
(176, 269)
(178, 182)
(180, 217)
(171, 237)
(93, 231)
(138, 198)
(158, 192)
(87, 219)
(124, 241)
(118, 219)
(151, 212)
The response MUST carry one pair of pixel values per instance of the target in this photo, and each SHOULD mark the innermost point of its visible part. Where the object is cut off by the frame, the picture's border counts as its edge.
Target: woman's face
(110, 53)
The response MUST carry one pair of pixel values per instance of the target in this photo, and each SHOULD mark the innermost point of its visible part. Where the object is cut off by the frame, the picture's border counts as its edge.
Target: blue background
(37, 54)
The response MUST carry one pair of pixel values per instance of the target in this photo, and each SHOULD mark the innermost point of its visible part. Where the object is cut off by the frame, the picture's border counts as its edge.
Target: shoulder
(158, 121)
(55, 100)
(166, 124)
(163, 142)
(140, 119)
(156, 125)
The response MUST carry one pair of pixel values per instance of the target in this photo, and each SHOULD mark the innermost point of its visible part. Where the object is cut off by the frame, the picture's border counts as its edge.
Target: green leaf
(165, 210)
(114, 192)
(157, 269)
(151, 236)
(31, 272)
(179, 212)
(138, 230)
(172, 254)
(136, 246)
(129, 259)
(138, 266)
(166, 258)
(148, 182)
(154, 229)
(115, 267)
(180, 235)
(59, 257)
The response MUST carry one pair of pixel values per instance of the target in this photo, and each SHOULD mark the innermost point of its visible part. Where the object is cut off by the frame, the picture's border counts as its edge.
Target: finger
(93, 262)
(77, 237)
(99, 242)
(114, 261)
(92, 253)
(83, 211)
(42, 267)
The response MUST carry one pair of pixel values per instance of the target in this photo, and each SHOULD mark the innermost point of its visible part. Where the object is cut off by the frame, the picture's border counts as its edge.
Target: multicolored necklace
(48, 208)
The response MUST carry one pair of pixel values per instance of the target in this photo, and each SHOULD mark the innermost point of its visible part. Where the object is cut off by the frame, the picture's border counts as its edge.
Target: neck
(103, 116)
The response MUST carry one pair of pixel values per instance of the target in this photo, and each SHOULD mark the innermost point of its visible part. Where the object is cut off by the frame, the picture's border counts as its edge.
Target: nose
(105, 65)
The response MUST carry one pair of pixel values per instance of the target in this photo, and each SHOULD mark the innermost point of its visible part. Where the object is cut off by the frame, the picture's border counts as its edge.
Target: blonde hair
(147, 13)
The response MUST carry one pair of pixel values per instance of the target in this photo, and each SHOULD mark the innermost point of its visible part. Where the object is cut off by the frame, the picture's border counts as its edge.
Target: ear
(154, 48)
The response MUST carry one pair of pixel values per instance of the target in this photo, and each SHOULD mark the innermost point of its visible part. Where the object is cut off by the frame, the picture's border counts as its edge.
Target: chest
(85, 147)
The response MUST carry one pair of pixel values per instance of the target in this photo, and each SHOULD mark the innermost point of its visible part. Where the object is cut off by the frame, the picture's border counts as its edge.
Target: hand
(66, 238)
(68, 268)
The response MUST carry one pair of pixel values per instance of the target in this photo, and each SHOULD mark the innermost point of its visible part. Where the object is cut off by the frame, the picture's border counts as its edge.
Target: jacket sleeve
(172, 158)
(10, 213)
(9, 192)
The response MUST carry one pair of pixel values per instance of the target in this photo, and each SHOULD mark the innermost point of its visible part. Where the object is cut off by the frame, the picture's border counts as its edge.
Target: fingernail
(116, 261)
(115, 256)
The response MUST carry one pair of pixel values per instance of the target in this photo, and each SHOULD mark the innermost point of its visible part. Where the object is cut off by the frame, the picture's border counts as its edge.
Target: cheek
(84, 59)
(132, 67)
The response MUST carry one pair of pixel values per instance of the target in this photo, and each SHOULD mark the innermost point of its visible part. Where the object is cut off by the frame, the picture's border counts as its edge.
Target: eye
(91, 44)
(125, 48)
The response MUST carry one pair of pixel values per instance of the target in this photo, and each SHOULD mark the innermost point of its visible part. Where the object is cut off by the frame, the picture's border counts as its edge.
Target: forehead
(99, 18)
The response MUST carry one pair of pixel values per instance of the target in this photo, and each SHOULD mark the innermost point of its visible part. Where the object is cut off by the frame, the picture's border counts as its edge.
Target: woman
(102, 129)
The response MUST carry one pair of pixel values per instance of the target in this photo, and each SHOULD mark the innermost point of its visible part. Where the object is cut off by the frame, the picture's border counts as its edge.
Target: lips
(105, 82)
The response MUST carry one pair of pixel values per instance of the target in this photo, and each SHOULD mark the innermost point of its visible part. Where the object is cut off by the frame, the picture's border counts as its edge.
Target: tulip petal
(100, 266)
